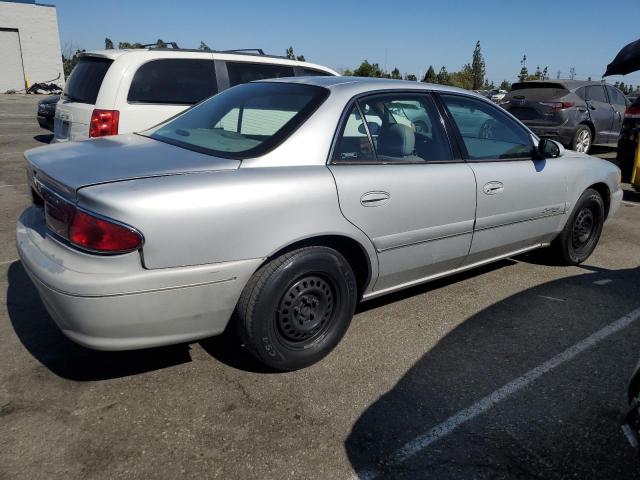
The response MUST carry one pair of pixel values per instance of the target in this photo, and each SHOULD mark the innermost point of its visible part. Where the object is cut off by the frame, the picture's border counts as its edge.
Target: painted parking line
(632, 204)
(4, 262)
(445, 428)
(13, 185)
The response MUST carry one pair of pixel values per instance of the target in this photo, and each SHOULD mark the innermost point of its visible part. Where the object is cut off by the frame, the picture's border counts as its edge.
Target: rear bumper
(561, 133)
(113, 303)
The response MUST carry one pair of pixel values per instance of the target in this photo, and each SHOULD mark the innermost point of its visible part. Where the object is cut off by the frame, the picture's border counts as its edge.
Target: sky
(408, 34)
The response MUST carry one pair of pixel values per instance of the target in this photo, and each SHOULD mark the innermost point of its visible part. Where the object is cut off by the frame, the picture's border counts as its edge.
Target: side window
(308, 72)
(243, 72)
(488, 134)
(404, 128)
(354, 144)
(173, 81)
(616, 97)
(596, 93)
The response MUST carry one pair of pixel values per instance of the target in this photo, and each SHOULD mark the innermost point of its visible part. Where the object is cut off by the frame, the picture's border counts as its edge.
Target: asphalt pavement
(517, 370)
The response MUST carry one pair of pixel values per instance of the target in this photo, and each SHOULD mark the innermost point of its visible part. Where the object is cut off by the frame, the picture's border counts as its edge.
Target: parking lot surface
(515, 370)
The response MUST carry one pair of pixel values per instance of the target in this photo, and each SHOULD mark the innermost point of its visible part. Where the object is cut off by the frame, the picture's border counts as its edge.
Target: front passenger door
(521, 199)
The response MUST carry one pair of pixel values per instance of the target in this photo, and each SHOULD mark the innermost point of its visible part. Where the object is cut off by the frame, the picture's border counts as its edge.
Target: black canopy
(627, 60)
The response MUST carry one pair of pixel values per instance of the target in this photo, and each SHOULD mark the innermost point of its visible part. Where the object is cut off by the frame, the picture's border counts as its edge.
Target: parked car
(277, 206)
(631, 422)
(628, 140)
(123, 91)
(577, 113)
(46, 111)
(496, 95)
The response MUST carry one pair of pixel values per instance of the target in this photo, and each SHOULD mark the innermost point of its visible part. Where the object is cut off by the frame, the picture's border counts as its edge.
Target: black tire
(580, 235)
(577, 143)
(296, 308)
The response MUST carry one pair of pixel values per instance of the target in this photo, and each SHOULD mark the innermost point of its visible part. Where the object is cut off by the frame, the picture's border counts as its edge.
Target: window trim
(270, 64)
(504, 113)
(455, 154)
(215, 82)
(589, 99)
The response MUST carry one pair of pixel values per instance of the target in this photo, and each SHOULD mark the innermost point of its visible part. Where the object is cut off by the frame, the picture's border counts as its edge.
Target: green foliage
(411, 77)
(367, 69)
(69, 62)
(395, 74)
(108, 44)
(477, 68)
(127, 45)
(204, 47)
(505, 85)
(292, 56)
(430, 76)
(524, 71)
(443, 76)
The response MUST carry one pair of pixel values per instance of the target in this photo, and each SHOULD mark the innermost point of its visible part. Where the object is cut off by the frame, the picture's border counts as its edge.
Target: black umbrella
(627, 60)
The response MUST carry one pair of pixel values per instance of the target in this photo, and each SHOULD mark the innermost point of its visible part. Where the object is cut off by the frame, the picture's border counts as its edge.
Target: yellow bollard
(635, 174)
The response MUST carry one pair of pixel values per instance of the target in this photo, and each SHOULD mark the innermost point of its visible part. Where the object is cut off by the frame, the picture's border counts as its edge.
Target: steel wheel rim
(305, 310)
(583, 228)
(583, 141)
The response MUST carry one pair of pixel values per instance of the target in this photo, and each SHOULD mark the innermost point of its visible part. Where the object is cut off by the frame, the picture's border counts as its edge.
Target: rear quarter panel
(211, 217)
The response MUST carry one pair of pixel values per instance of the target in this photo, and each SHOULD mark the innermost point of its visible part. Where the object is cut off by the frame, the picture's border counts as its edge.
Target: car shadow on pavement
(44, 138)
(44, 340)
(568, 426)
(631, 196)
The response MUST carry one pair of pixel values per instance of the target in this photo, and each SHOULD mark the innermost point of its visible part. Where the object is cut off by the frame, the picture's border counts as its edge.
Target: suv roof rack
(174, 45)
(257, 52)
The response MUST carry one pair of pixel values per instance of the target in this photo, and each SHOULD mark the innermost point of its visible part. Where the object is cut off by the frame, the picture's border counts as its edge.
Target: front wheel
(580, 235)
(296, 308)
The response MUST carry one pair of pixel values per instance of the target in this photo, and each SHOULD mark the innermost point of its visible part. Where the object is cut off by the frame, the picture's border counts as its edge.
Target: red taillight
(93, 233)
(104, 122)
(557, 106)
(632, 111)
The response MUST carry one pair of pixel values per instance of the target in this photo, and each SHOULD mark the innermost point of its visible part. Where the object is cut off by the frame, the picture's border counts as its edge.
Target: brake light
(632, 111)
(104, 123)
(557, 106)
(94, 233)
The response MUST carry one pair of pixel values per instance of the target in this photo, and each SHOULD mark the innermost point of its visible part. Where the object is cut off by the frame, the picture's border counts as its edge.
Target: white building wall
(37, 27)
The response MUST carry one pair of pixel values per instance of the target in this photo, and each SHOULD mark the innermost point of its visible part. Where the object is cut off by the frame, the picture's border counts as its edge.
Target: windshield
(243, 121)
(86, 78)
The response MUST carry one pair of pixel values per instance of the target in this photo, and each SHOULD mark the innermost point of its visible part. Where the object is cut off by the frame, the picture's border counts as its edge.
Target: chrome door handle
(374, 199)
(492, 188)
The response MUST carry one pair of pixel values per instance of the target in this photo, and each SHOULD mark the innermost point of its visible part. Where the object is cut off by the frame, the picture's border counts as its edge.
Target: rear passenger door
(165, 87)
(520, 199)
(399, 181)
(600, 112)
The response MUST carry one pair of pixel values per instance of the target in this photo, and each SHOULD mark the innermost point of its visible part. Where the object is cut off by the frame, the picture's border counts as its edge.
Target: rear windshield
(531, 85)
(537, 90)
(173, 81)
(244, 121)
(86, 77)
(242, 72)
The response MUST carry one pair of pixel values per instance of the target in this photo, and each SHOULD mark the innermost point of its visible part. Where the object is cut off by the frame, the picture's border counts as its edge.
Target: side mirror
(548, 148)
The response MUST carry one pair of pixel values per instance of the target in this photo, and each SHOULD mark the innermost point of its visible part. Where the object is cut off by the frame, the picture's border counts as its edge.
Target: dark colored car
(631, 423)
(628, 141)
(46, 111)
(576, 113)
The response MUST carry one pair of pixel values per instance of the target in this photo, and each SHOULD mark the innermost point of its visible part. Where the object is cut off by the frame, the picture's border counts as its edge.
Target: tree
(160, 44)
(488, 85)
(108, 44)
(545, 73)
(524, 71)
(538, 74)
(572, 73)
(292, 56)
(367, 69)
(477, 68)
(411, 77)
(204, 47)
(68, 62)
(128, 45)
(505, 85)
(443, 76)
(347, 72)
(430, 76)
(395, 74)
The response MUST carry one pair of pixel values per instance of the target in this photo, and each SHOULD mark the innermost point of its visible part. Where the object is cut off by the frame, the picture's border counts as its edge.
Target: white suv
(122, 91)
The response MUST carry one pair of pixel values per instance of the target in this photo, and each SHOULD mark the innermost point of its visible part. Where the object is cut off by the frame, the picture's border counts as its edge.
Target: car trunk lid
(67, 167)
(535, 102)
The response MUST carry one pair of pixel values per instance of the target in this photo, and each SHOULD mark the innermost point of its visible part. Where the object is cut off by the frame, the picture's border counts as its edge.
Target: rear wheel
(297, 307)
(582, 139)
(580, 235)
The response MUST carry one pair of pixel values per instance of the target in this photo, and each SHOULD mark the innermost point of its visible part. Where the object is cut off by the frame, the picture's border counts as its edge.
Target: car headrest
(396, 140)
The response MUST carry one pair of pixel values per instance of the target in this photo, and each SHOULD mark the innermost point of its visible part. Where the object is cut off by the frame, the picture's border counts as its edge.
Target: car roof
(568, 84)
(365, 84)
(149, 53)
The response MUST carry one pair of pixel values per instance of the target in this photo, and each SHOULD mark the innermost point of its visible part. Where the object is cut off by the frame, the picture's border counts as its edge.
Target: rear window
(85, 80)
(243, 72)
(242, 122)
(173, 81)
(530, 85)
(309, 72)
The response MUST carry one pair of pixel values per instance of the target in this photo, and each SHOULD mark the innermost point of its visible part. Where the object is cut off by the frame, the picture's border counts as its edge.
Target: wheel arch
(589, 124)
(603, 189)
(355, 253)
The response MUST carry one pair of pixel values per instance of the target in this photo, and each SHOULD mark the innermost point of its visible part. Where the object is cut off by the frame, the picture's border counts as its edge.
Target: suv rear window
(309, 72)
(242, 122)
(173, 81)
(85, 80)
(243, 72)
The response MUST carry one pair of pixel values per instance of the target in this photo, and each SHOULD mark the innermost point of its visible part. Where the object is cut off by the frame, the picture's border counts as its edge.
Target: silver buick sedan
(274, 207)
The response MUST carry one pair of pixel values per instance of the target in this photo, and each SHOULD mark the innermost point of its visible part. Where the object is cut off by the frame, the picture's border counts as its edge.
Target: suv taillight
(557, 106)
(103, 123)
(632, 111)
(88, 230)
